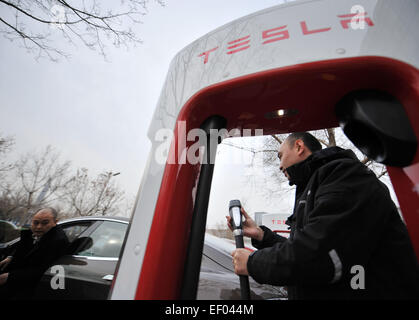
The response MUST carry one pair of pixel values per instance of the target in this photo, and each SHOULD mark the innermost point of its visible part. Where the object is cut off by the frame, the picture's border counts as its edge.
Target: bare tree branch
(89, 23)
(273, 181)
(87, 197)
(277, 138)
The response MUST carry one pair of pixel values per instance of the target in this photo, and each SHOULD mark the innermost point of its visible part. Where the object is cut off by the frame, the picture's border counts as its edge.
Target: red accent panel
(408, 198)
(282, 231)
(311, 88)
(162, 270)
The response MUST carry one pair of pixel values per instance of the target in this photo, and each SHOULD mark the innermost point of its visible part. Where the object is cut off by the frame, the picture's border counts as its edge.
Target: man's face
(290, 154)
(42, 222)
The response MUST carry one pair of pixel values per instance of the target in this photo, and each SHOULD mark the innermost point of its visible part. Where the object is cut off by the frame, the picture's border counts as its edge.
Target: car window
(107, 240)
(8, 231)
(73, 230)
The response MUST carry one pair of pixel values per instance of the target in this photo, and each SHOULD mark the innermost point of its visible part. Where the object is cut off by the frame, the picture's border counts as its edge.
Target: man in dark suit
(37, 249)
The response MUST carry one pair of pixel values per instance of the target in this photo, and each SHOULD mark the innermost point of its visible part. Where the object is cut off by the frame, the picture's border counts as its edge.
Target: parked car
(90, 265)
(217, 279)
(96, 244)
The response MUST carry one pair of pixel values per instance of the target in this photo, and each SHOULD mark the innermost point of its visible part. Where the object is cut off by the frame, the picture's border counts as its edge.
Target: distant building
(274, 221)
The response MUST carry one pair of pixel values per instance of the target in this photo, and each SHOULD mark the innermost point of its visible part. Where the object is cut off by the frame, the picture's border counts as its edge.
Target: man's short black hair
(309, 140)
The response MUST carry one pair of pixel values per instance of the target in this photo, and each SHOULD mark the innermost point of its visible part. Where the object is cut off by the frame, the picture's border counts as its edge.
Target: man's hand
(3, 278)
(250, 228)
(240, 257)
(4, 263)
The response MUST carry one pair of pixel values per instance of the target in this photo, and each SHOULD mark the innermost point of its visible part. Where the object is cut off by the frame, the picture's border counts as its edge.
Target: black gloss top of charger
(234, 203)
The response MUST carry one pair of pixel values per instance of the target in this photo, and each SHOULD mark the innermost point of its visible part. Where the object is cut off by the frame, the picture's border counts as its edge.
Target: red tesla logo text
(282, 33)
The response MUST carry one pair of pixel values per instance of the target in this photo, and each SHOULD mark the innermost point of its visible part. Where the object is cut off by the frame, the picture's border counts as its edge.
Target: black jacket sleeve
(302, 260)
(270, 238)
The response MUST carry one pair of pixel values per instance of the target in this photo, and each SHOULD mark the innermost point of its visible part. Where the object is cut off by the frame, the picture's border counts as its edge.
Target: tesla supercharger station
(300, 66)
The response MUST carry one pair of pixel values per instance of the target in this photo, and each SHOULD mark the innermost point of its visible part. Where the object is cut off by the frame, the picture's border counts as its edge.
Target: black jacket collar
(27, 235)
(301, 172)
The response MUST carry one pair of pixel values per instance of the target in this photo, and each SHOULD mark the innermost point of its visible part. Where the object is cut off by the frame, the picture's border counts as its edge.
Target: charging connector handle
(236, 222)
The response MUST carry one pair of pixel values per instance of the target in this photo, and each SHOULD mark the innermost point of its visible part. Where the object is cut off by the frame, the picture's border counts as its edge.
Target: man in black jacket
(347, 240)
(34, 254)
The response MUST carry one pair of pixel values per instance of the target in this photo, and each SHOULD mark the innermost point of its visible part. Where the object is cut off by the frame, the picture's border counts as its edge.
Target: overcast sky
(97, 113)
